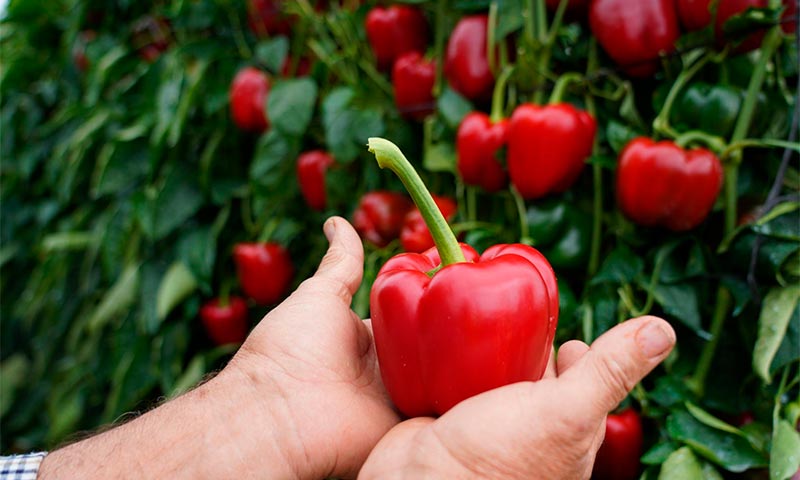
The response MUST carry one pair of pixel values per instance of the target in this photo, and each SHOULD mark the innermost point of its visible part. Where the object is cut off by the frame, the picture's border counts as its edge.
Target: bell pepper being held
(264, 269)
(311, 168)
(661, 184)
(450, 324)
(478, 143)
(379, 216)
(415, 236)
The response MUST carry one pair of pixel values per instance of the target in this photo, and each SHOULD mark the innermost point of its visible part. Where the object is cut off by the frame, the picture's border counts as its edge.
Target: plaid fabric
(21, 467)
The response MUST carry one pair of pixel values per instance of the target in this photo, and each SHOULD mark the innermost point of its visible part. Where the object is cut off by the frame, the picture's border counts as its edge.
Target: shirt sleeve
(21, 467)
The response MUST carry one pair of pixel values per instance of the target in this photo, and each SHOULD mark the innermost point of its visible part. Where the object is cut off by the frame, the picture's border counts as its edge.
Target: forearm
(202, 434)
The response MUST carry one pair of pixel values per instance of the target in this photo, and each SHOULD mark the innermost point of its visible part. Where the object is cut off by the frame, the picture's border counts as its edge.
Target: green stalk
(713, 142)
(561, 86)
(498, 95)
(491, 33)
(389, 156)
(438, 45)
(698, 381)
(519, 202)
(661, 122)
(597, 175)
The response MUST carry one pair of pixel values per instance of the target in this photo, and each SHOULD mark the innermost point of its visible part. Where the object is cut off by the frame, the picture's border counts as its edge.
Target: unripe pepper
(450, 324)
(618, 457)
(479, 141)
(413, 78)
(661, 184)
(379, 216)
(696, 15)
(395, 30)
(264, 269)
(713, 109)
(248, 98)
(562, 232)
(225, 321)
(415, 236)
(634, 34)
(548, 147)
(466, 63)
(311, 168)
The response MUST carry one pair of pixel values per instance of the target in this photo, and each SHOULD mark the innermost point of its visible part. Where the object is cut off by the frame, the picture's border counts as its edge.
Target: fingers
(343, 265)
(569, 353)
(615, 363)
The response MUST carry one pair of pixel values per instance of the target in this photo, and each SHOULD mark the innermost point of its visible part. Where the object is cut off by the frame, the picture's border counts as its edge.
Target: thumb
(342, 266)
(615, 363)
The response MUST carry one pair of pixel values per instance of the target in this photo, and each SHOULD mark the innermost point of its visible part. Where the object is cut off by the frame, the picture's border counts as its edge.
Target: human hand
(302, 398)
(546, 429)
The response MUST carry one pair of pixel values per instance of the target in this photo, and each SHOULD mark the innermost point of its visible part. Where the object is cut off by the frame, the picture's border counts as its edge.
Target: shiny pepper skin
(225, 323)
(478, 144)
(395, 30)
(661, 184)
(472, 327)
(311, 168)
(695, 15)
(413, 78)
(548, 147)
(379, 216)
(415, 236)
(264, 269)
(466, 64)
(618, 457)
(635, 33)
(248, 97)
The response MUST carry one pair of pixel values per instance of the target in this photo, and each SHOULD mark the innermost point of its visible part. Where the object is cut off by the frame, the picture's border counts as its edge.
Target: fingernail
(330, 229)
(654, 338)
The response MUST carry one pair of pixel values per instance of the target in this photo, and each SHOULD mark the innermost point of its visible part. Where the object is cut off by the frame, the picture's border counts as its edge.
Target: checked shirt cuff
(21, 467)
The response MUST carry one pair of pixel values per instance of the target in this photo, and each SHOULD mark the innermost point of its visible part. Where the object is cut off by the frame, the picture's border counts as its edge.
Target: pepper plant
(144, 144)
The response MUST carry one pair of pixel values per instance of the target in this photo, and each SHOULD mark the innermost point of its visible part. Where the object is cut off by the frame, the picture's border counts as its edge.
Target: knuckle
(614, 377)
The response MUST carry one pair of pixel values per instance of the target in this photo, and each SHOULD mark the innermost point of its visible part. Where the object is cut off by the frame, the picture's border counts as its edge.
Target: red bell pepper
(659, 183)
(696, 15)
(634, 34)
(479, 142)
(379, 216)
(413, 78)
(395, 30)
(618, 457)
(264, 269)
(466, 63)
(265, 18)
(311, 168)
(548, 147)
(225, 322)
(415, 236)
(248, 98)
(450, 324)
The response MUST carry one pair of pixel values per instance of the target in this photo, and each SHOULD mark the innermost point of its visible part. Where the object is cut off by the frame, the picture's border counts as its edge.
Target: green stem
(438, 45)
(389, 156)
(519, 202)
(711, 141)
(661, 122)
(562, 84)
(471, 203)
(530, 25)
(498, 95)
(698, 380)
(557, 19)
(491, 33)
(597, 200)
(541, 20)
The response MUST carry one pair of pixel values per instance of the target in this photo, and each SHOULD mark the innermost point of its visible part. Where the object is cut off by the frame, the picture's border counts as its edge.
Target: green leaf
(14, 373)
(509, 18)
(681, 465)
(453, 107)
(198, 250)
(619, 135)
(177, 284)
(178, 201)
(290, 105)
(776, 312)
(785, 458)
(659, 453)
(191, 376)
(272, 53)
(440, 157)
(729, 451)
(680, 301)
(117, 300)
(620, 266)
(712, 421)
(273, 160)
(61, 241)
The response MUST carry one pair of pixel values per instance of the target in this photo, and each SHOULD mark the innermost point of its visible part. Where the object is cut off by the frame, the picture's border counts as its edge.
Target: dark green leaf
(681, 302)
(290, 105)
(776, 312)
(620, 266)
(440, 157)
(453, 107)
(619, 135)
(509, 18)
(659, 453)
(272, 53)
(785, 459)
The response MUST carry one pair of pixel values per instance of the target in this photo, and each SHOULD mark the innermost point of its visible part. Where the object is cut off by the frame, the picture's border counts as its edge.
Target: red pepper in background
(478, 144)
(311, 168)
(413, 78)
(789, 22)
(225, 322)
(574, 7)
(466, 64)
(659, 183)
(151, 37)
(618, 457)
(696, 15)
(248, 98)
(265, 18)
(264, 269)
(379, 216)
(450, 324)
(395, 30)
(415, 236)
(635, 33)
(548, 147)
(302, 70)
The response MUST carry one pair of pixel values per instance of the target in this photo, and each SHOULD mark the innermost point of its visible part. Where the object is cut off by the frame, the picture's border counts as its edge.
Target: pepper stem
(561, 86)
(389, 156)
(498, 104)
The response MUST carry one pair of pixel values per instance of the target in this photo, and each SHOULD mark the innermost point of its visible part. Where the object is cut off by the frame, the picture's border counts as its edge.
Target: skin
(303, 399)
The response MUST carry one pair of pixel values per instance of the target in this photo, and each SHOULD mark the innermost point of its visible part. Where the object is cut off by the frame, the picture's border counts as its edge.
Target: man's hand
(301, 399)
(550, 429)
